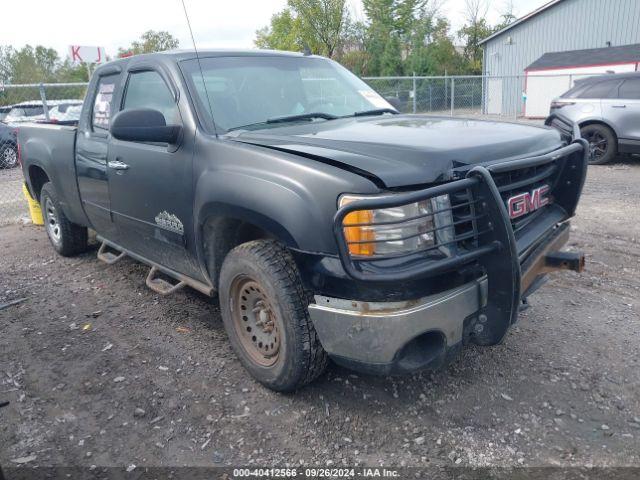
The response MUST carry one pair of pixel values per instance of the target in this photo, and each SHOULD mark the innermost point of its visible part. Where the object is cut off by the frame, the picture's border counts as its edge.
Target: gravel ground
(13, 206)
(101, 371)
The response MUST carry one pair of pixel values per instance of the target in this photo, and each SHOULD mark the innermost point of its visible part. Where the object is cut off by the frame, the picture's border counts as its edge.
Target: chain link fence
(518, 97)
(515, 97)
(20, 104)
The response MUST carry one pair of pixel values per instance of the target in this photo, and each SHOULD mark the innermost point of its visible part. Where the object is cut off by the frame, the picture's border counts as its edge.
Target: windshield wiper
(376, 111)
(302, 116)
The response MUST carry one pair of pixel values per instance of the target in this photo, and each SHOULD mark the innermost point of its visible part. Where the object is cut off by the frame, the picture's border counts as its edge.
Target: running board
(160, 285)
(109, 257)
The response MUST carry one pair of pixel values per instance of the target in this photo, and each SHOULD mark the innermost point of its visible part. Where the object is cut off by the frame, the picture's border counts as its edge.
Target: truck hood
(405, 150)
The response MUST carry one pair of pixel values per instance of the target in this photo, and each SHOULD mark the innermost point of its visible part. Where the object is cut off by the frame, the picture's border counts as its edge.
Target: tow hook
(565, 261)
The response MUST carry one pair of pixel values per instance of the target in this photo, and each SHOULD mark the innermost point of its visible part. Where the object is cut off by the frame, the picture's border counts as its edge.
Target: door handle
(619, 106)
(118, 165)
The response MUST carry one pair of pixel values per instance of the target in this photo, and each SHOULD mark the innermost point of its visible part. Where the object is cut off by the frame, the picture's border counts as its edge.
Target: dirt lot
(101, 371)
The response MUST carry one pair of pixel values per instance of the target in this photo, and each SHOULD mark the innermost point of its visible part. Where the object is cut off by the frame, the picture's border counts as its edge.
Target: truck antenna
(195, 49)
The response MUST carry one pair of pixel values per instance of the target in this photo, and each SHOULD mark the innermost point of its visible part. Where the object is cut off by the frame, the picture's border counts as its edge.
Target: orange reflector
(359, 234)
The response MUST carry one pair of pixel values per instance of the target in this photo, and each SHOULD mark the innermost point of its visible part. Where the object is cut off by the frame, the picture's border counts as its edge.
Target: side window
(102, 105)
(148, 90)
(630, 89)
(604, 89)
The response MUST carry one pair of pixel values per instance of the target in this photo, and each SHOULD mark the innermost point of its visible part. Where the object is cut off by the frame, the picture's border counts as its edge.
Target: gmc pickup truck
(330, 225)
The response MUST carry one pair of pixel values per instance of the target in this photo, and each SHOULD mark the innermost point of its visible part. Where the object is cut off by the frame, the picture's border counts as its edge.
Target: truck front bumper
(399, 337)
(396, 337)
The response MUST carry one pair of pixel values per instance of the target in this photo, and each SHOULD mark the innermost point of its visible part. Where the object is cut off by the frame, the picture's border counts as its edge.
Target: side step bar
(160, 285)
(156, 284)
(109, 257)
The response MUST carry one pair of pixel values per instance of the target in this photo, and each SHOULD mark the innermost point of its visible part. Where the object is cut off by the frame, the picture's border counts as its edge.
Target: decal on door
(169, 221)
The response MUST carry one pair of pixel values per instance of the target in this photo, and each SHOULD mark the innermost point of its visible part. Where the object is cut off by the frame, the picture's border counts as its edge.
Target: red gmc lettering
(527, 202)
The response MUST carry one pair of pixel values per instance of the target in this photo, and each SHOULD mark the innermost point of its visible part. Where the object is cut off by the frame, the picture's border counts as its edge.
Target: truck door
(92, 145)
(151, 183)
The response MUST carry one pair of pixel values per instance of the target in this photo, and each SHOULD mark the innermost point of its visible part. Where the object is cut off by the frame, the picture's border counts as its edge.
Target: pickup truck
(329, 225)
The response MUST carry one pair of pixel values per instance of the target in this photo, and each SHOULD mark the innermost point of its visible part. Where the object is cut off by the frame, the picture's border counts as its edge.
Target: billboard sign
(83, 54)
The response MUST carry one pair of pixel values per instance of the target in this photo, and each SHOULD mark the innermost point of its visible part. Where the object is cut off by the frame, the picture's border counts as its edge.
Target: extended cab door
(92, 146)
(151, 183)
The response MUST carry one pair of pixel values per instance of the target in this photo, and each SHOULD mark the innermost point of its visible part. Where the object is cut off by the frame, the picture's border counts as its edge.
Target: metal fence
(520, 97)
(31, 103)
(516, 97)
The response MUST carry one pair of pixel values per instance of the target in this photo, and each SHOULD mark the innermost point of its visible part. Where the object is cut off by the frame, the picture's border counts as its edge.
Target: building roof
(521, 20)
(588, 57)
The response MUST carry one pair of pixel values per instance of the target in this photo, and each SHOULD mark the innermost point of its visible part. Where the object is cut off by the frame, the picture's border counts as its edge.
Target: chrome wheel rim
(9, 158)
(255, 321)
(52, 222)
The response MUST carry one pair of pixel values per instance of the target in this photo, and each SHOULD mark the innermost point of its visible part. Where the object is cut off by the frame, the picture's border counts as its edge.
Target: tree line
(40, 64)
(397, 37)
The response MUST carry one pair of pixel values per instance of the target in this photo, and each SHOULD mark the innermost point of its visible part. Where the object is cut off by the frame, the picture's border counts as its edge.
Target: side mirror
(143, 125)
(395, 102)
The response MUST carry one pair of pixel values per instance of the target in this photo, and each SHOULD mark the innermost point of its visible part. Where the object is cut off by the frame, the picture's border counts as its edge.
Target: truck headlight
(396, 230)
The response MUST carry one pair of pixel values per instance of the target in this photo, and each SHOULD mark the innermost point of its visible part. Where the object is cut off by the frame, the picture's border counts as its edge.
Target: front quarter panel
(291, 197)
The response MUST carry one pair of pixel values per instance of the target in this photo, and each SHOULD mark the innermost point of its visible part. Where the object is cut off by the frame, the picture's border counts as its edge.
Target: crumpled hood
(404, 150)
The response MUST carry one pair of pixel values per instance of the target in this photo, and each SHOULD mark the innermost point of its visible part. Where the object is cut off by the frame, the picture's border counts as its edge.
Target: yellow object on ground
(34, 207)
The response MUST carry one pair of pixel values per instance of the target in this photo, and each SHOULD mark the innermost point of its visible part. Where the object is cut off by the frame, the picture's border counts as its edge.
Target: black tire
(67, 238)
(8, 156)
(602, 142)
(268, 266)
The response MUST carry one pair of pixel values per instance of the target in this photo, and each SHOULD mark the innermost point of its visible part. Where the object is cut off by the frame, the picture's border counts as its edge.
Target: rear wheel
(603, 146)
(8, 156)
(264, 309)
(67, 238)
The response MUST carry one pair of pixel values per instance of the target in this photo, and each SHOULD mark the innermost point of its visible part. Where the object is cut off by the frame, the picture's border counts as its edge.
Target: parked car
(25, 112)
(329, 224)
(607, 109)
(8, 146)
(4, 111)
(68, 112)
(33, 111)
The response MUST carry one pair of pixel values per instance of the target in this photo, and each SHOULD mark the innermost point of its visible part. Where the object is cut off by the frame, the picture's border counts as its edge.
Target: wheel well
(598, 122)
(38, 178)
(221, 235)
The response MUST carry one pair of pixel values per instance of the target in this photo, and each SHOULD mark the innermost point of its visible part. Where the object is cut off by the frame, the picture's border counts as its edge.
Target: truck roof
(190, 54)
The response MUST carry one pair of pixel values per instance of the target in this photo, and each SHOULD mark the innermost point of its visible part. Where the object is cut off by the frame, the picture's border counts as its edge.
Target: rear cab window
(103, 102)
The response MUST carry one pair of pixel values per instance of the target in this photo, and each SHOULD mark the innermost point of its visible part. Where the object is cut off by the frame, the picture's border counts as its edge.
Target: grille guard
(495, 251)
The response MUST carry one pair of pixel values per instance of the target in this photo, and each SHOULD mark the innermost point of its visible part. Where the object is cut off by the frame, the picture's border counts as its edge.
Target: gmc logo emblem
(527, 202)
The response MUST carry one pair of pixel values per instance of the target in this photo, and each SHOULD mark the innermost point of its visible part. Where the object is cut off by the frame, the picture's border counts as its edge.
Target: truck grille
(509, 183)
(514, 182)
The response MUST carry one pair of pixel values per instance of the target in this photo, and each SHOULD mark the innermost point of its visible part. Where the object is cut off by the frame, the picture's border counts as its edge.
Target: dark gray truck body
(182, 207)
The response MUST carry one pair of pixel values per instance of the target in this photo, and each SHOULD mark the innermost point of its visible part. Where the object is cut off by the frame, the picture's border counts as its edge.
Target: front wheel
(67, 238)
(264, 309)
(603, 146)
(8, 156)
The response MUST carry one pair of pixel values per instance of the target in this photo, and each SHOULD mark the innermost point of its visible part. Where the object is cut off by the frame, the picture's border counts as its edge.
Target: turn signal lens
(357, 236)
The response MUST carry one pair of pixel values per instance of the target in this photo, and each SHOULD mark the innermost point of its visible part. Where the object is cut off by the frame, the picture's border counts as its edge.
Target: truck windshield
(251, 91)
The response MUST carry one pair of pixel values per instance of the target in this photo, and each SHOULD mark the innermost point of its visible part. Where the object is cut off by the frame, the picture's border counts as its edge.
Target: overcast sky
(216, 23)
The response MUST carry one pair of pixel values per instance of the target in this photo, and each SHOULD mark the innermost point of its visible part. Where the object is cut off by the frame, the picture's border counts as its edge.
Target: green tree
(149, 42)
(475, 29)
(28, 64)
(320, 25)
(283, 33)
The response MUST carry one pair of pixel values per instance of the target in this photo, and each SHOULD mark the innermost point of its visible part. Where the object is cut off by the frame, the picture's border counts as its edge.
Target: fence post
(415, 92)
(43, 97)
(430, 96)
(453, 93)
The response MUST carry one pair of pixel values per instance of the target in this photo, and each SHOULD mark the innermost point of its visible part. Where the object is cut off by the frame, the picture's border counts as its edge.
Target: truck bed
(51, 149)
